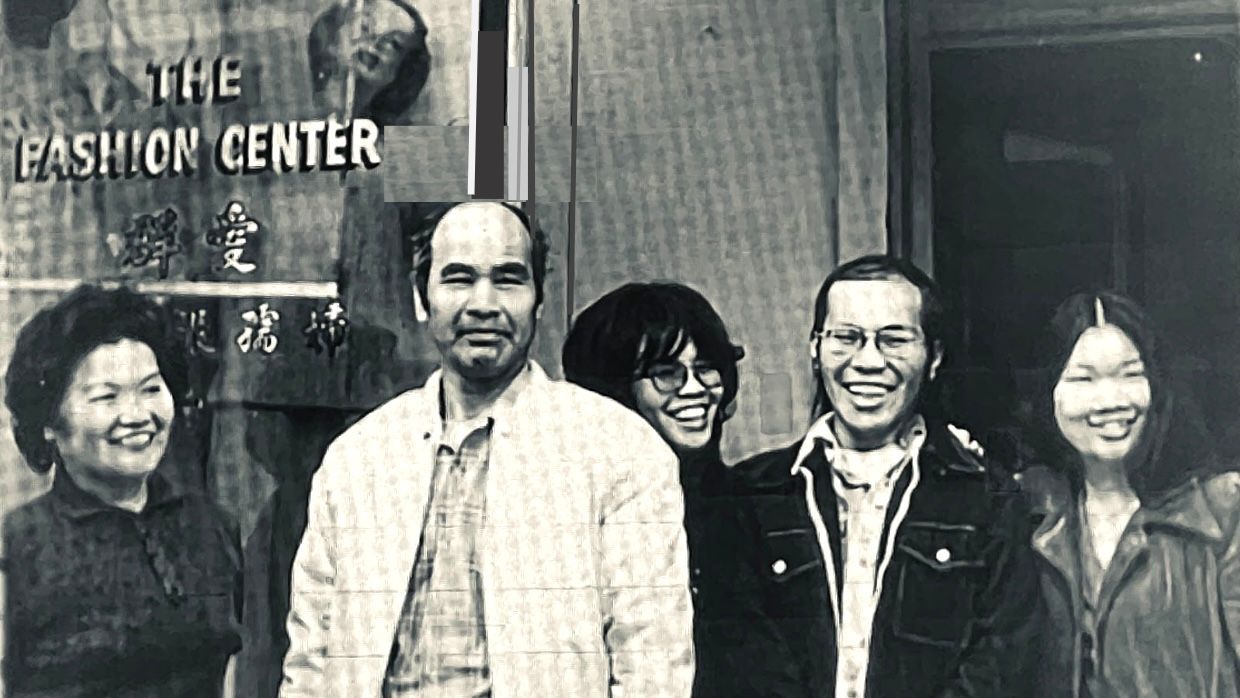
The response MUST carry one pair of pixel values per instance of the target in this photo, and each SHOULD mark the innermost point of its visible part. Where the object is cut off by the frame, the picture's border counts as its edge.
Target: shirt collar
(822, 432)
(76, 503)
(848, 475)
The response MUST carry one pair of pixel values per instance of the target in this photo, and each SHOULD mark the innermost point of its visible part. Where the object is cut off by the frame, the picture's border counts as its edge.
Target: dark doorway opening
(1068, 168)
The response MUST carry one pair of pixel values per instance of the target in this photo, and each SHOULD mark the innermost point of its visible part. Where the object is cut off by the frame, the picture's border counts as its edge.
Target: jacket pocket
(794, 578)
(791, 554)
(936, 577)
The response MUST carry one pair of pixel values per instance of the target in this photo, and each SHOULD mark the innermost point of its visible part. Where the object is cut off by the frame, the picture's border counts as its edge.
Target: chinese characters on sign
(327, 329)
(232, 231)
(259, 332)
(152, 238)
(195, 326)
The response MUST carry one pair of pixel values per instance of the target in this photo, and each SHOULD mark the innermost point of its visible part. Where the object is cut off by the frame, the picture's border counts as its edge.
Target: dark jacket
(1169, 608)
(105, 602)
(730, 641)
(703, 480)
(961, 626)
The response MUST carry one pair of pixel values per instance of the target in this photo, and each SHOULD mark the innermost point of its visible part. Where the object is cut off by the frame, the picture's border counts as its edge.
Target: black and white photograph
(573, 349)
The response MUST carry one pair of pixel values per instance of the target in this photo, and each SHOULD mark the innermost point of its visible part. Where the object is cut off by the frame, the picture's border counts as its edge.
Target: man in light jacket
(494, 533)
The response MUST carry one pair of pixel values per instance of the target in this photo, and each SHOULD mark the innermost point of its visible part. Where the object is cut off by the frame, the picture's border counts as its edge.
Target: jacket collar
(75, 503)
(1185, 510)
(504, 413)
(949, 448)
(821, 434)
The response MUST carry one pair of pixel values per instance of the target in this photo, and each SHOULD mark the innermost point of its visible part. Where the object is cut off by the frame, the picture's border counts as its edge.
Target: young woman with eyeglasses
(661, 350)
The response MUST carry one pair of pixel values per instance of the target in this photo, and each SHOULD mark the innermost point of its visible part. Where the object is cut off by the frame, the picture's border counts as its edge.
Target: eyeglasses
(670, 378)
(896, 343)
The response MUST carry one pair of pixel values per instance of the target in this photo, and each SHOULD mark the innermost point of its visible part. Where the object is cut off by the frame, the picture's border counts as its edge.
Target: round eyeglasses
(893, 342)
(670, 378)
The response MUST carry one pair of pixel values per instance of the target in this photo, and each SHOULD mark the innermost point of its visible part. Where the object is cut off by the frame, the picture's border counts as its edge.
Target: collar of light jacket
(503, 412)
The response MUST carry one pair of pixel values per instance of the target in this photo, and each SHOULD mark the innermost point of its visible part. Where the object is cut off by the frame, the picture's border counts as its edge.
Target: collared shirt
(862, 511)
(865, 483)
(103, 601)
(440, 648)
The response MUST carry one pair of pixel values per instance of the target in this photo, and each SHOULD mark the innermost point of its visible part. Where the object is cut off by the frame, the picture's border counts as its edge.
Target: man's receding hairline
(450, 214)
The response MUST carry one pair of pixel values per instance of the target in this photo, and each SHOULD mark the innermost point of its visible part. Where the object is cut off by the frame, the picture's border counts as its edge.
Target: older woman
(1140, 542)
(119, 581)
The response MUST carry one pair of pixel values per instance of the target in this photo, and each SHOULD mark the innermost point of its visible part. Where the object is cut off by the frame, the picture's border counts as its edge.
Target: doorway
(1060, 169)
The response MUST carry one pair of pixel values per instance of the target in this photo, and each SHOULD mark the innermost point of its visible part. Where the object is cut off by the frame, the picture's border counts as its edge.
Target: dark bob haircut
(621, 335)
(52, 344)
(1172, 447)
(424, 230)
(391, 102)
(883, 267)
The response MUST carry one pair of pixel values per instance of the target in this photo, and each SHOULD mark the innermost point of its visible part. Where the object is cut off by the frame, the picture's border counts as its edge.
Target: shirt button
(693, 590)
(779, 567)
(697, 571)
(943, 555)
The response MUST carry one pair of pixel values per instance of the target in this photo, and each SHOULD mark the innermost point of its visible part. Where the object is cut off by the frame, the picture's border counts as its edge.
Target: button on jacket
(105, 602)
(958, 607)
(1168, 614)
(585, 575)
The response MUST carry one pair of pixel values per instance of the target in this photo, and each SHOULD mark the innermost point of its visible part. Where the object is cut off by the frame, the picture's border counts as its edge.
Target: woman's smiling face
(116, 414)
(686, 416)
(1102, 398)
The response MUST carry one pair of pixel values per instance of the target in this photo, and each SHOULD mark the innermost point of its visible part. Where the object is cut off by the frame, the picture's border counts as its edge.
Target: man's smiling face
(874, 393)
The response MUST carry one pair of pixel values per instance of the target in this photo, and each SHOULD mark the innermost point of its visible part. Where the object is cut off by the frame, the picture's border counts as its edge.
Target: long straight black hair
(1173, 446)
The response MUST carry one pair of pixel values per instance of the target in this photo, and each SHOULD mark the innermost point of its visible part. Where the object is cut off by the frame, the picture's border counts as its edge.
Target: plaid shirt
(866, 486)
(440, 647)
(863, 516)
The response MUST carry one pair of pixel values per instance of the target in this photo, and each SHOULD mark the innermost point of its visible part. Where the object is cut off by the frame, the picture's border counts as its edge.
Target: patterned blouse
(103, 602)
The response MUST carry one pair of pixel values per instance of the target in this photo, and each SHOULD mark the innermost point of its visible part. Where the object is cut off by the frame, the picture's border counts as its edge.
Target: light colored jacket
(583, 554)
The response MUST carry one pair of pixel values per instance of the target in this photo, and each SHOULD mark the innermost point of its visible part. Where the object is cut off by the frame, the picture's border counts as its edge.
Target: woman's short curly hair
(52, 344)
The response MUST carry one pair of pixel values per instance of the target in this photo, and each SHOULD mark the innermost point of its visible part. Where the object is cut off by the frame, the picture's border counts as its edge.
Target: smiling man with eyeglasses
(881, 552)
